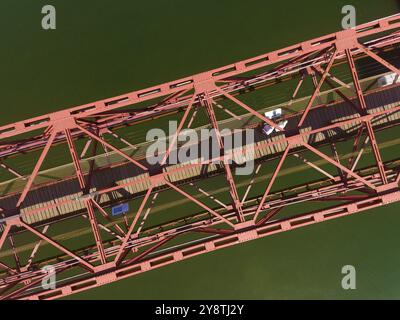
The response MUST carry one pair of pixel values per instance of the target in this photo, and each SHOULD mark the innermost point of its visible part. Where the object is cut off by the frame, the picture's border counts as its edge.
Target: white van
(388, 79)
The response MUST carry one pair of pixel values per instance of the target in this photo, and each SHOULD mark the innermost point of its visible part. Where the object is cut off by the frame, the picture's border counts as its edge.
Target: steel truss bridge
(130, 249)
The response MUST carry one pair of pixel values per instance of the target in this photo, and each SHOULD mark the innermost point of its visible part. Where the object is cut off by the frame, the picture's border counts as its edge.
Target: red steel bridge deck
(53, 200)
(132, 250)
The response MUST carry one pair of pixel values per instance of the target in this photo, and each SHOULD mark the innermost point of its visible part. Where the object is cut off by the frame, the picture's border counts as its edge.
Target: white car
(282, 124)
(388, 79)
(267, 129)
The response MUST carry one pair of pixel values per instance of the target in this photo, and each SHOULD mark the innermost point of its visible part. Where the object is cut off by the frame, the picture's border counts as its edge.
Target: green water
(101, 49)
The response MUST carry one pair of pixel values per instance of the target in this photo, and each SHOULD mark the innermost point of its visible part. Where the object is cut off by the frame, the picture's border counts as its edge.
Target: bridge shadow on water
(368, 67)
(365, 66)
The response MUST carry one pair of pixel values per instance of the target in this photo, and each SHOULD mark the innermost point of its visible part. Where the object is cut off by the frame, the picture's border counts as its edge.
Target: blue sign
(120, 209)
